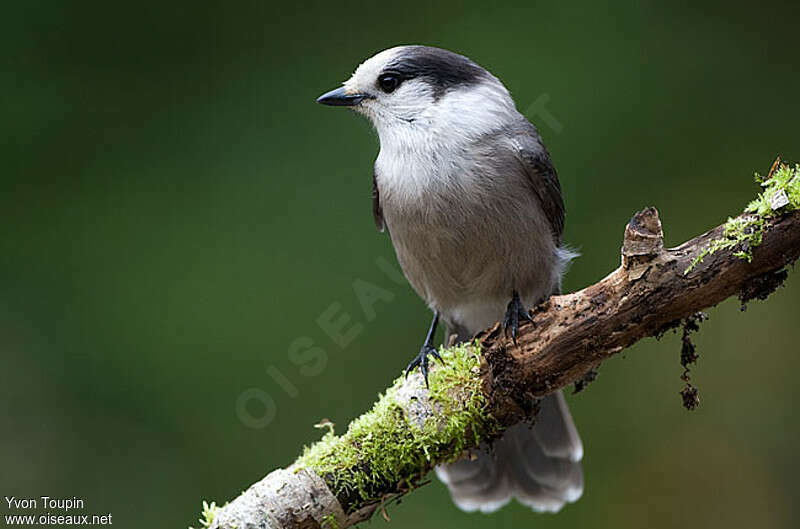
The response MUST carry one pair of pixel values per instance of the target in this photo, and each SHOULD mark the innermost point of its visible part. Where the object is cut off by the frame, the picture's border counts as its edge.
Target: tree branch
(494, 384)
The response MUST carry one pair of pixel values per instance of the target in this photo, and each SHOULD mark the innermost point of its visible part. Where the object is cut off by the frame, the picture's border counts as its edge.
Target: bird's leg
(421, 359)
(514, 313)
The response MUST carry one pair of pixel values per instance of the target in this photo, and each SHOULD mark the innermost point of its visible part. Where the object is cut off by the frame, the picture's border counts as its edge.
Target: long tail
(539, 466)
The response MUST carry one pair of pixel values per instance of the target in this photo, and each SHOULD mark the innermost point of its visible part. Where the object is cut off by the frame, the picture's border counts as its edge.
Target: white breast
(466, 232)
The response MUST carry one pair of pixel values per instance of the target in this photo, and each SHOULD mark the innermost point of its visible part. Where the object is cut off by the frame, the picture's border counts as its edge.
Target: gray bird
(472, 203)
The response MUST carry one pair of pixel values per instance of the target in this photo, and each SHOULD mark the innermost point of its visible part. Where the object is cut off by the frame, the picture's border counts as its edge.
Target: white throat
(438, 147)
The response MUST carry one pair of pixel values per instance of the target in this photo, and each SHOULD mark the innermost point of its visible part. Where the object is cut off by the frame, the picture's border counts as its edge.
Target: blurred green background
(178, 212)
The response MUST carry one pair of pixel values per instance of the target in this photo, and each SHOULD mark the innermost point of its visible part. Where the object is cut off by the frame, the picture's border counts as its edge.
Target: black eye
(388, 82)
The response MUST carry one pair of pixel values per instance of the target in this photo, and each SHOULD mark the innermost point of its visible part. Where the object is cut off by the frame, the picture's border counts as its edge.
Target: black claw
(514, 312)
(421, 359)
(436, 355)
(414, 363)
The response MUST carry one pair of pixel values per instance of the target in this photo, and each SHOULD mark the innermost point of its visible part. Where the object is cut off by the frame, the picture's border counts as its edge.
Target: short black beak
(338, 98)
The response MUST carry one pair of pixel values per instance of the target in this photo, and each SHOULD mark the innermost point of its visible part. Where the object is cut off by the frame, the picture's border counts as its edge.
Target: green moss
(743, 233)
(329, 522)
(209, 512)
(385, 450)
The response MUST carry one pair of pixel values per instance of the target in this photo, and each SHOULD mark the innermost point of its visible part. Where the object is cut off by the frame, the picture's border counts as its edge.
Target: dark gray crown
(443, 69)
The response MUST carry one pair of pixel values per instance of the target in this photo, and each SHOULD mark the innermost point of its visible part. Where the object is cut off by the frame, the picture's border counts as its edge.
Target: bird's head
(422, 87)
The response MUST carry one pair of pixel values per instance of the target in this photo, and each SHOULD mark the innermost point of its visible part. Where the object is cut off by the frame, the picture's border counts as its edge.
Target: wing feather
(541, 173)
(377, 212)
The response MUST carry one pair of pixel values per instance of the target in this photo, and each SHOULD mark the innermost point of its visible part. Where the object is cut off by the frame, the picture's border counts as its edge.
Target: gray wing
(377, 212)
(541, 174)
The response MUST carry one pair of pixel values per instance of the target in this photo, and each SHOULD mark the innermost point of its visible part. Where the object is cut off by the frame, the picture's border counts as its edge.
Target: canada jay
(471, 201)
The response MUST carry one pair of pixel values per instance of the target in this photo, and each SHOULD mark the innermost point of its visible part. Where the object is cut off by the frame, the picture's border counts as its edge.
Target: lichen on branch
(407, 432)
(210, 511)
(493, 383)
(743, 233)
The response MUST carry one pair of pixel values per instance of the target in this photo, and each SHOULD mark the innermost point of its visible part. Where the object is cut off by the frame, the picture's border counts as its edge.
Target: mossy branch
(492, 384)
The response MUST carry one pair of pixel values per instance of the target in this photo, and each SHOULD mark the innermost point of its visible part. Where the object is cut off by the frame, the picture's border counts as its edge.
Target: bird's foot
(421, 360)
(514, 313)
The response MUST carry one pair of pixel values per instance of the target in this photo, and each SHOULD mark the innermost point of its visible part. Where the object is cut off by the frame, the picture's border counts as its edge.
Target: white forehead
(368, 71)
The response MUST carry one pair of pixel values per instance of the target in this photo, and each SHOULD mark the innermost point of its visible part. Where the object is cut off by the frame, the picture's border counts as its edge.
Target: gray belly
(465, 259)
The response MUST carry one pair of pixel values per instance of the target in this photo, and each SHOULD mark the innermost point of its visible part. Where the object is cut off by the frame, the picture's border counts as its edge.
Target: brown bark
(647, 294)
(570, 335)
